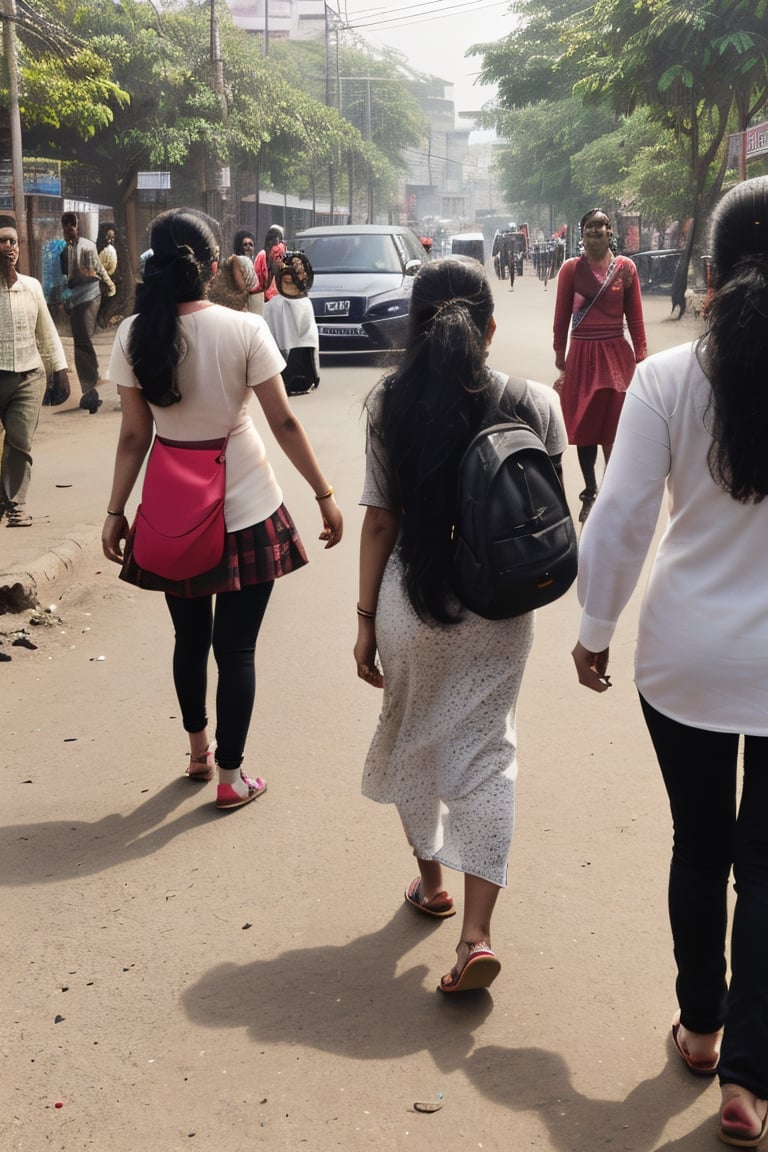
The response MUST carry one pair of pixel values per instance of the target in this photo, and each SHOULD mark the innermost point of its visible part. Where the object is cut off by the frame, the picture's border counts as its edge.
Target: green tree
(694, 66)
(532, 63)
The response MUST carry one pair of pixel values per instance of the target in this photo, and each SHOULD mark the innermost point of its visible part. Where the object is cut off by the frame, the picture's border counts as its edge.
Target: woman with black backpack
(445, 750)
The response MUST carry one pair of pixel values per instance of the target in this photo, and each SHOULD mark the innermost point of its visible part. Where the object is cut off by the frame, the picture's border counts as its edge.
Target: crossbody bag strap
(198, 444)
(577, 318)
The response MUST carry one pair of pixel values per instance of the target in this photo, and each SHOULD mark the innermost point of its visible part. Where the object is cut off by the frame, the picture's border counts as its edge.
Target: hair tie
(454, 300)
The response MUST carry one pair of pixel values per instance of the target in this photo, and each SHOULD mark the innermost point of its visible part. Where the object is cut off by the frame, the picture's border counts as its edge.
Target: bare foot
(743, 1117)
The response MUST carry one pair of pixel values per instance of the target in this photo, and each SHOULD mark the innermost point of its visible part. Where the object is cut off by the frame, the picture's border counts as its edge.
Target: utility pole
(220, 193)
(8, 11)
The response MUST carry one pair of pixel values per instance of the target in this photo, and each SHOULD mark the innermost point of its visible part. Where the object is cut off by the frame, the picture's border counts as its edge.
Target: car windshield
(351, 253)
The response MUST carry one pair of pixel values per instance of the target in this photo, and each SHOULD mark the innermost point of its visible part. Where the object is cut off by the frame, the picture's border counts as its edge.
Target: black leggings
(232, 628)
(710, 837)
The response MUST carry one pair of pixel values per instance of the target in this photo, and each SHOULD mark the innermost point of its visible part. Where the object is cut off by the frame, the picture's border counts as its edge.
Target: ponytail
(431, 406)
(184, 247)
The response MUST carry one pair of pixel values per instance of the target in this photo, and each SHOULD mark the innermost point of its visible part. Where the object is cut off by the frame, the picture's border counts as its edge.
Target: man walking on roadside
(29, 346)
(85, 273)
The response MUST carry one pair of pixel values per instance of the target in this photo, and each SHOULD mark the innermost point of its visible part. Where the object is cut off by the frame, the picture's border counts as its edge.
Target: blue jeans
(711, 836)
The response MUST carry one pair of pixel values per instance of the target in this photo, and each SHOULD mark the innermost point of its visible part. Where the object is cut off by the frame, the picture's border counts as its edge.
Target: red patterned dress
(600, 361)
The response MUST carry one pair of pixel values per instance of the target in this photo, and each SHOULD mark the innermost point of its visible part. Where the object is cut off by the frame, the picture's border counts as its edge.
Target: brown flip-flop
(696, 1069)
(441, 904)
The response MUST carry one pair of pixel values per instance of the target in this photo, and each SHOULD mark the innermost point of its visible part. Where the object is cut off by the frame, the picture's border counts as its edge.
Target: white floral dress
(445, 748)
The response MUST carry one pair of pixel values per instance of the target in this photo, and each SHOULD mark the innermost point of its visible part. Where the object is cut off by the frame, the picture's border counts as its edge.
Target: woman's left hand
(365, 653)
(333, 522)
(115, 530)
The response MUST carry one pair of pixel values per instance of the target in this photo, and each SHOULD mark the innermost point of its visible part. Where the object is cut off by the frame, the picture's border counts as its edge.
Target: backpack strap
(512, 396)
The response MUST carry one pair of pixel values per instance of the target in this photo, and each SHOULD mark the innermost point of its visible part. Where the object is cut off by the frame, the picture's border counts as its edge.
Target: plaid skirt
(254, 555)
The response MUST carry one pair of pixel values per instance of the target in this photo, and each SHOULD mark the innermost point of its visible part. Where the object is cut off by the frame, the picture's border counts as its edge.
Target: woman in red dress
(595, 292)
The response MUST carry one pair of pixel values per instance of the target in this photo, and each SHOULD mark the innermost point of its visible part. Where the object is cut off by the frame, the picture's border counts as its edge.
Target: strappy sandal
(480, 969)
(18, 518)
(201, 768)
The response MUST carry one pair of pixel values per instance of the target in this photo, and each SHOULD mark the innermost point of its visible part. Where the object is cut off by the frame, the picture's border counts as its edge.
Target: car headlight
(387, 310)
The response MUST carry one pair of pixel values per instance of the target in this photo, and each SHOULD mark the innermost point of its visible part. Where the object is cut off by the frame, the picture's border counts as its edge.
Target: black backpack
(514, 543)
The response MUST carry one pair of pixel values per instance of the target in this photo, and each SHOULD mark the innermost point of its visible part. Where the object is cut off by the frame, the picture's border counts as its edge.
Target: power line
(430, 10)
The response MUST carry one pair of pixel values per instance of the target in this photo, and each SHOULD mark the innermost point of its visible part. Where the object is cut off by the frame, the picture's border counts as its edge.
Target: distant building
(284, 19)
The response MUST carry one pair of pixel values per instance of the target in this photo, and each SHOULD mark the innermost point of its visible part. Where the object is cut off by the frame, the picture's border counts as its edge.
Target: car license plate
(337, 308)
(347, 330)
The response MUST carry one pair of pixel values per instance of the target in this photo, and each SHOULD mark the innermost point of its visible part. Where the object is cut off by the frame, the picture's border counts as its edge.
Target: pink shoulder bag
(179, 530)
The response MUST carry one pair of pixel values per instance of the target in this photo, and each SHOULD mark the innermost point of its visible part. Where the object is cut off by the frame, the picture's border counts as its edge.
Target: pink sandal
(229, 797)
(480, 969)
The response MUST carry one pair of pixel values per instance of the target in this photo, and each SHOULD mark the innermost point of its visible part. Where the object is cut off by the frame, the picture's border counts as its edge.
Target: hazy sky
(434, 35)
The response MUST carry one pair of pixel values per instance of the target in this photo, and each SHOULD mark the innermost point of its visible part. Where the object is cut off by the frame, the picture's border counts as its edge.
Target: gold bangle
(366, 615)
(326, 495)
(111, 513)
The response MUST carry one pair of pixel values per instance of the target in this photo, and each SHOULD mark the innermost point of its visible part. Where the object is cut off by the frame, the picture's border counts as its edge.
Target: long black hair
(430, 407)
(734, 349)
(184, 244)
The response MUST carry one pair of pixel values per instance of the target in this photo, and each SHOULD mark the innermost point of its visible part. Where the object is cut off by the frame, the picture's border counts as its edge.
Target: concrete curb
(49, 575)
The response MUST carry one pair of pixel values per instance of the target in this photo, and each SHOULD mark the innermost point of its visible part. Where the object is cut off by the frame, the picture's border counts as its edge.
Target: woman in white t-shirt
(190, 368)
(695, 427)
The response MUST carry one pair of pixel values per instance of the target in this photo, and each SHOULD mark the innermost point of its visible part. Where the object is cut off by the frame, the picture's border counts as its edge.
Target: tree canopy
(141, 84)
(695, 71)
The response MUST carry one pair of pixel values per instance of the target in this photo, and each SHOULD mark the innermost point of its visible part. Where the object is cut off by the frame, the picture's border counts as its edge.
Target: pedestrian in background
(84, 273)
(445, 749)
(190, 368)
(29, 348)
(105, 246)
(595, 293)
(693, 435)
(244, 247)
(291, 320)
(272, 253)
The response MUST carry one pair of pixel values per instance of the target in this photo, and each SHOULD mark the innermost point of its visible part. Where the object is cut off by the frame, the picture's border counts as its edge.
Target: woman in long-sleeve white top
(694, 431)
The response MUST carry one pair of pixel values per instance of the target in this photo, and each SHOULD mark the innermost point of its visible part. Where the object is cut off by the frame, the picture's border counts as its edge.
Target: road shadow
(539, 1081)
(347, 999)
(56, 850)
(353, 1001)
